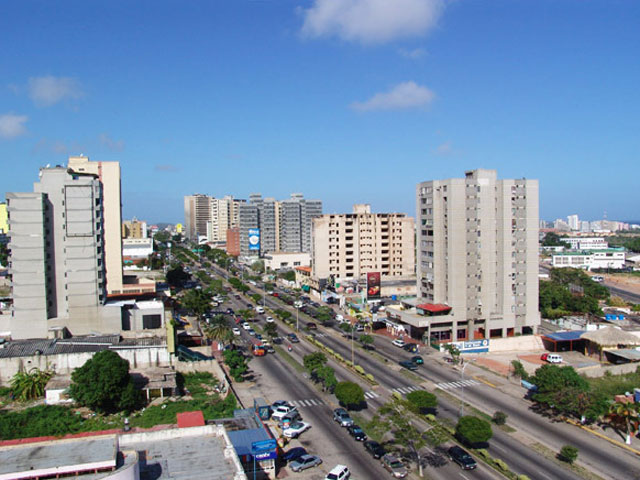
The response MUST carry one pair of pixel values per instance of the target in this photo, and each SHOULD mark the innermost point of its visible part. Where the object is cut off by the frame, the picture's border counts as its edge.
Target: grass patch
(212, 407)
(411, 376)
(199, 384)
(289, 359)
(612, 385)
(577, 469)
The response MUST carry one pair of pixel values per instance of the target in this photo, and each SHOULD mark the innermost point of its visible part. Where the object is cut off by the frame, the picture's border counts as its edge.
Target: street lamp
(462, 383)
(297, 317)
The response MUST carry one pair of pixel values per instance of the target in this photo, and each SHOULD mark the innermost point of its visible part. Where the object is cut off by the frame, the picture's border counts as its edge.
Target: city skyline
(243, 97)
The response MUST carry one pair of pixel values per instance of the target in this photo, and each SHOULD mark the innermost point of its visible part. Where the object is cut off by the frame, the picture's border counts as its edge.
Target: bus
(257, 348)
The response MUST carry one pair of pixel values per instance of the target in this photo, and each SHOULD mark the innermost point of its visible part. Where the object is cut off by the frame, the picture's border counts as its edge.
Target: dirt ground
(625, 281)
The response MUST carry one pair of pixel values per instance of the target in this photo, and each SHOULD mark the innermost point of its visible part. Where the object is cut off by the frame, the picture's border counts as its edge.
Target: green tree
(552, 239)
(349, 394)
(218, 330)
(271, 330)
(558, 388)
(237, 364)
(289, 275)
(314, 360)
(256, 297)
(283, 315)
(366, 340)
(569, 454)
(473, 430)
(422, 401)
(177, 276)
(104, 385)
(519, 370)
(625, 417)
(453, 351)
(499, 418)
(196, 301)
(245, 313)
(30, 385)
(327, 376)
(258, 266)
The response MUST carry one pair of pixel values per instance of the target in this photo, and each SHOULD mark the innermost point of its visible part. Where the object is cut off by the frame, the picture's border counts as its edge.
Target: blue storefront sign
(473, 346)
(264, 450)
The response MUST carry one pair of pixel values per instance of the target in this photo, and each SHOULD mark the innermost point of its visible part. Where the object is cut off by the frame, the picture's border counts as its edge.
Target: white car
(281, 411)
(295, 429)
(339, 318)
(235, 330)
(246, 326)
(260, 309)
(270, 320)
(398, 342)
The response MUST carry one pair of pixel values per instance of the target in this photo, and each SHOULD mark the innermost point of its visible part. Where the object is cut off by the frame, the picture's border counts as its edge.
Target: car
(551, 357)
(295, 429)
(411, 347)
(356, 432)
(260, 309)
(462, 458)
(294, 454)
(275, 294)
(246, 326)
(339, 472)
(251, 332)
(288, 419)
(235, 330)
(312, 326)
(394, 465)
(293, 338)
(281, 411)
(270, 320)
(339, 318)
(268, 347)
(249, 305)
(398, 342)
(277, 340)
(230, 311)
(409, 365)
(341, 416)
(280, 403)
(359, 327)
(304, 462)
(417, 359)
(374, 448)
(258, 336)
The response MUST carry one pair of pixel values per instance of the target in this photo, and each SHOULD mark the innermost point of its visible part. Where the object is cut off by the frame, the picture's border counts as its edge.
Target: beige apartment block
(478, 254)
(347, 246)
(109, 175)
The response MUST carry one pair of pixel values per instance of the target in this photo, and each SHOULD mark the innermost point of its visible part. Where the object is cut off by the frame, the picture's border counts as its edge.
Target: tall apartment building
(4, 226)
(108, 173)
(197, 214)
(296, 223)
(574, 222)
(347, 246)
(478, 255)
(249, 219)
(58, 259)
(134, 229)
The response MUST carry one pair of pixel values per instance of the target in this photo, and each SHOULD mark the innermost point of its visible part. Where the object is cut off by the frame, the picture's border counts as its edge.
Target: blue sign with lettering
(263, 446)
(254, 239)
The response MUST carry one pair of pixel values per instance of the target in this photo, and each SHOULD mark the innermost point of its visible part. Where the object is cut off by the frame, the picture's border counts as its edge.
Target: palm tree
(218, 330)
(625, 416)
(29, 385)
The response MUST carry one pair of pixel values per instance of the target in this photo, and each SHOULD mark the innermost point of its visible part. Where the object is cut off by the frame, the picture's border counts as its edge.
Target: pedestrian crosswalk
(371, 395)
(454, 385)
(311, 402)
(405, 390)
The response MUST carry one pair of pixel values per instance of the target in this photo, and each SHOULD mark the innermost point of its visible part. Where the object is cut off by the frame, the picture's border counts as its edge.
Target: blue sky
(350, 101)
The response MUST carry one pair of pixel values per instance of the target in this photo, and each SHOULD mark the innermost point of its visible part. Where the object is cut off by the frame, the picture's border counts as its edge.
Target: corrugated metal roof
(242, 439)
(565, 336)
(628, 353)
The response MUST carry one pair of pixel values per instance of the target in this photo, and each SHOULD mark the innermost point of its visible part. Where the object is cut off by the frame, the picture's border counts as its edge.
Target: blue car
(293, 454)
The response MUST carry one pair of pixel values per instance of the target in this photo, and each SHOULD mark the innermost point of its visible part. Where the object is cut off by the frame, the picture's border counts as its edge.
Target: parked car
(339, 472)
(398, 342)
(339, 318)
(230, 311)
(411, 347)
(374, 448)
(289, 418)
(293, 454)
(395, 466)
(260, 309)
(295, 429)
(251, 332)
(359, 327)
(280, 403)
(270, 320)
(551, 357)
(356, 432)
(462, 458)
(341, 416)
(246, 326)
(409, 365)
(281, 411)
(235, 330)
(304, 462)
(417, 359)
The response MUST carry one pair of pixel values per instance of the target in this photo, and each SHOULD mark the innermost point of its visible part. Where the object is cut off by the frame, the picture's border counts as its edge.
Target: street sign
(263, 446)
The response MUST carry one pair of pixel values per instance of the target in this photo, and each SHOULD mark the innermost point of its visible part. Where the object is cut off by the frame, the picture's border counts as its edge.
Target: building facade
(108, 173)
(610, 258)
(197, 214)
(587, 243)
(4, 225)
(477, 265)
(58, 256)
(348, 246)
(134, 229)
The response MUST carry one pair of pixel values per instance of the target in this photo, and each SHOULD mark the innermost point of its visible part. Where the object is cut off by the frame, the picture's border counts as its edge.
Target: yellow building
(178, 228)
(4, 225)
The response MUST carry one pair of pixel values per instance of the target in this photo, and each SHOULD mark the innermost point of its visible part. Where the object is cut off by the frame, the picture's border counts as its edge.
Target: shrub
(569, 454)
(349, 393)
(501, 464)
(422, 401)
(499, 418)
(359, 369)
(473, 430)
(368, 376)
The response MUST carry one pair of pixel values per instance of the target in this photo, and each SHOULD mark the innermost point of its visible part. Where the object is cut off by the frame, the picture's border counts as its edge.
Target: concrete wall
(67, 362)
(599, 371)
(510, 344)
(211, 366)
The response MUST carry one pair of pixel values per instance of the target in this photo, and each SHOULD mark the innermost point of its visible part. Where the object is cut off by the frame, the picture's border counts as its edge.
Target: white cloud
(371, 21)
(49, 90)
(12, 126)
(444, 148)
(110, 143)
(413, 54)
(402, 96)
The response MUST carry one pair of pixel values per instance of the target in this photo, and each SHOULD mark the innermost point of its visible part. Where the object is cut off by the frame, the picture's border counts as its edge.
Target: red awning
(434, 307)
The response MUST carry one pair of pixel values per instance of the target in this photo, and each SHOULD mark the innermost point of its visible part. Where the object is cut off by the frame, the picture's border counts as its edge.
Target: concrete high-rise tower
(478, 254)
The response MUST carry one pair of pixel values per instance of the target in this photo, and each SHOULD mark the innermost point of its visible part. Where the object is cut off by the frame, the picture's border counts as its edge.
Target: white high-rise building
(477, 262)
(574, 222)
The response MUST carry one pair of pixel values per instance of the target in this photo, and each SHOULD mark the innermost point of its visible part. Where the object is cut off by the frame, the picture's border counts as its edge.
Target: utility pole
(462, 382)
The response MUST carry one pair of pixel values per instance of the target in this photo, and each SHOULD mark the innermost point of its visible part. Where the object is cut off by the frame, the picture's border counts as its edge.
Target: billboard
(373, 285)
(254, 239)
